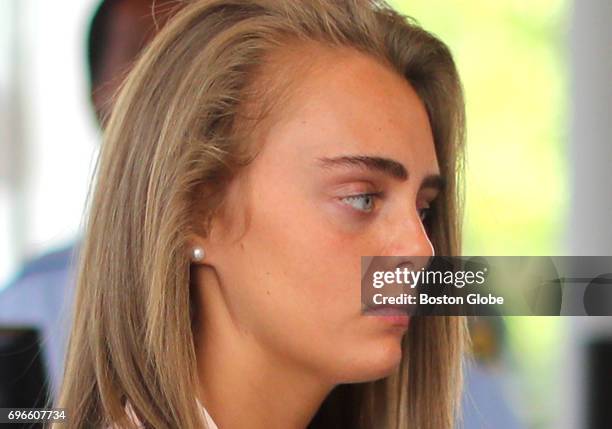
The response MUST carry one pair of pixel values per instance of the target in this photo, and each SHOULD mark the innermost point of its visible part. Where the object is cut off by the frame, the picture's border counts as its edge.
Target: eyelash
(427, 214)
(424, 213)
(375, 195)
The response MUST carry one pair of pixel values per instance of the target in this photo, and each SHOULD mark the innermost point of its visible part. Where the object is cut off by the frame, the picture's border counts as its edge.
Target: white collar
(210, 424)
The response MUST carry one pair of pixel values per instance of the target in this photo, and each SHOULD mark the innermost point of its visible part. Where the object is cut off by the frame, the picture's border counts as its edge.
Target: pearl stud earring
(197, 254)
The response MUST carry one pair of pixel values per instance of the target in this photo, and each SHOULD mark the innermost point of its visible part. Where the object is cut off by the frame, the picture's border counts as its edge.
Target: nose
(407, 243)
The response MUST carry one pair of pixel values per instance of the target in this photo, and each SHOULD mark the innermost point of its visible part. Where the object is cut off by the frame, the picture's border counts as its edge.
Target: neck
(241, 383)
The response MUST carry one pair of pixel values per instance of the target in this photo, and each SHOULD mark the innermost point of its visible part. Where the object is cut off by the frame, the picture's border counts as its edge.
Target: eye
(424, 213)
(361, 202)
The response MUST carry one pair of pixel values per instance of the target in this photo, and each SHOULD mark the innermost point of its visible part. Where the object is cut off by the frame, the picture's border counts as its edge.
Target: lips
(395, 316)
(387, 310)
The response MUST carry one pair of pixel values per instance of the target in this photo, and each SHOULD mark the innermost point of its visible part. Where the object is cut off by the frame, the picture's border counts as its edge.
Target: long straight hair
(179, 131)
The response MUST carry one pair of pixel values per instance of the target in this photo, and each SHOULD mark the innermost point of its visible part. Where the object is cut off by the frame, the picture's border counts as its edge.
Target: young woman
(255, 152)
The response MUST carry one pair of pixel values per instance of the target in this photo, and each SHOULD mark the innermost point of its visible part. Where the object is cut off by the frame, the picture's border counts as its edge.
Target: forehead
(346, 101)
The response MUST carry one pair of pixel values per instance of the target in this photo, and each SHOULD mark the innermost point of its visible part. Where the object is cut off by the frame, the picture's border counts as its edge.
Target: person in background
(41, 292)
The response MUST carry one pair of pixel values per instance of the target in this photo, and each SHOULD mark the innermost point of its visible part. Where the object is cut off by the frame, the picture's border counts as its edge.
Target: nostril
(408, 265)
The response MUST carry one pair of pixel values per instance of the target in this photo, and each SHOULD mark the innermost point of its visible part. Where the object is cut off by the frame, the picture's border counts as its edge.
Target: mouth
(395, 315)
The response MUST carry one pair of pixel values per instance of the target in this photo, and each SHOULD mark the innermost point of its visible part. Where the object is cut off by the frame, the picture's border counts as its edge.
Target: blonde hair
(178, 133)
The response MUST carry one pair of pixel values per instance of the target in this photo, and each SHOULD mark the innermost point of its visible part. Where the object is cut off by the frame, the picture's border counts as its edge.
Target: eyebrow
(387, 166)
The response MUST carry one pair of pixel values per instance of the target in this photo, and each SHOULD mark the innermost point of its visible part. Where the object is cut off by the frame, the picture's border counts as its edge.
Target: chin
(373, 360)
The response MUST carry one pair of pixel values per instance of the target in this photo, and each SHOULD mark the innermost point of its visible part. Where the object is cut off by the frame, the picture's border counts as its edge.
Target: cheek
(317, 243)
(296, 258)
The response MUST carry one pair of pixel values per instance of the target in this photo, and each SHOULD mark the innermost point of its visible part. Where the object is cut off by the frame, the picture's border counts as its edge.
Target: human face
(340, 175)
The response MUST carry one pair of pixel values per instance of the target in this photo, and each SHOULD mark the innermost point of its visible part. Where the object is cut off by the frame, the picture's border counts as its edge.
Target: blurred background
(538, 82)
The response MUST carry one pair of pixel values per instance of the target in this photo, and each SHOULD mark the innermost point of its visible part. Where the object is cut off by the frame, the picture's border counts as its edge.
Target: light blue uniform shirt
(39, 297)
